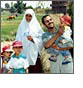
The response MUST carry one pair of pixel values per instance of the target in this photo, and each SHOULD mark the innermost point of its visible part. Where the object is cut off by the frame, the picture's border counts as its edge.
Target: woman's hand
(29, 38)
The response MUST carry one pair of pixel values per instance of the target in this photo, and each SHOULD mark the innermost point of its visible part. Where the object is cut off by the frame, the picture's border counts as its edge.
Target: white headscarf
(33, 29)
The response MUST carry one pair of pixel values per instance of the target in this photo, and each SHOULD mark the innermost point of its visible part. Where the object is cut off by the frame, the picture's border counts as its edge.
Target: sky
(32, 3)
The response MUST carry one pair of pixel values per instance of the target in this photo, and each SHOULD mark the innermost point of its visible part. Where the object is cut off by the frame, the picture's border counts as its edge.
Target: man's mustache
(50, 23)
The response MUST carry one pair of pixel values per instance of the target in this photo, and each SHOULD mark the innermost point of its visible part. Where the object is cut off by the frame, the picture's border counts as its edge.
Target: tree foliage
(12, 9)
(71, 12)
(20, 6)
(7, 5)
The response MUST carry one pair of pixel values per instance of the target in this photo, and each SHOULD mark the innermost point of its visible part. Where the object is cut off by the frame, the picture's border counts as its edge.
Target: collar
(53, 32)
(14, 56)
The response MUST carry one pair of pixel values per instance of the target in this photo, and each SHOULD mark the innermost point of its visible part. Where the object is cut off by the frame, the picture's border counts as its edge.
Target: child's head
(65, 20)
(17, 47)
(6, 51)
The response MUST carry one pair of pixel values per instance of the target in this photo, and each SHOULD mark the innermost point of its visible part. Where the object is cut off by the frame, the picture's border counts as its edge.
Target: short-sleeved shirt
(18, 62)
(45, 37)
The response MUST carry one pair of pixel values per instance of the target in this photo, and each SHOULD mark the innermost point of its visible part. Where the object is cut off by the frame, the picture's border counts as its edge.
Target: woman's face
(28, 17)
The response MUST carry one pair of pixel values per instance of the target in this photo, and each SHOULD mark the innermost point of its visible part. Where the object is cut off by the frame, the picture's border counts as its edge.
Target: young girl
(6, 55)
(18, 63)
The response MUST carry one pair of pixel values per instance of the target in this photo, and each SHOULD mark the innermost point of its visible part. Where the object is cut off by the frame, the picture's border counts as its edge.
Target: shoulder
(45, 34)
(13, 56)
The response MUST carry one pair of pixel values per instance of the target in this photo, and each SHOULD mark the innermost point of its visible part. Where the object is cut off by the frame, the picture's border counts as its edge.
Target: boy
(6, 55)
(18, 63)
(63, 41)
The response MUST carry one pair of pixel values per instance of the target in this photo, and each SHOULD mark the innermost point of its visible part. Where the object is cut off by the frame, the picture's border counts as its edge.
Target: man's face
(49, 22)
(28, 17)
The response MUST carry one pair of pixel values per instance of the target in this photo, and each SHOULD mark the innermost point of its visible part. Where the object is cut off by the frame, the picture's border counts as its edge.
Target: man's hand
(56, 47)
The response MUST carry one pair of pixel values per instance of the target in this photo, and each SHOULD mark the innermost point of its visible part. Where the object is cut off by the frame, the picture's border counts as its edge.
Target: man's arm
(58, 48)
(52, 40)
(67, 48)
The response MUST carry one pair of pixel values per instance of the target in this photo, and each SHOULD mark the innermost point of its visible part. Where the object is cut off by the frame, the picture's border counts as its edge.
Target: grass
(10, 27)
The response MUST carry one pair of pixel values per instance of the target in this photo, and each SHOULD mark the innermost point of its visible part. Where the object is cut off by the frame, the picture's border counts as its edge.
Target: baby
(64, 40)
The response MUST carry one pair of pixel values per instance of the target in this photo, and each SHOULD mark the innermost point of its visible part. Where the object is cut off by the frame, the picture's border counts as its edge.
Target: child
(64, 40)
(18, 63)
(6, 55)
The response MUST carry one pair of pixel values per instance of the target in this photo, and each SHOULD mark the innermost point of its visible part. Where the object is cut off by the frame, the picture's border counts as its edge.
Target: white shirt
(67, 34)
(16, 63)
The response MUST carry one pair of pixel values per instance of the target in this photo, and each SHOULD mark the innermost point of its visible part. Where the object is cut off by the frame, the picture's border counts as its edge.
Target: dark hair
(44, 18)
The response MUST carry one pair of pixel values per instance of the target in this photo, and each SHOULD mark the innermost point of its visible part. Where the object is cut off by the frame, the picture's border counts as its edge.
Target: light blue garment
(68, 44)
(47, 36)
(58, 66)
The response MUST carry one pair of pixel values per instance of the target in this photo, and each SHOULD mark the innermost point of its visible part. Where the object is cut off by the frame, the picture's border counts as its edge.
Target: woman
(30, 33)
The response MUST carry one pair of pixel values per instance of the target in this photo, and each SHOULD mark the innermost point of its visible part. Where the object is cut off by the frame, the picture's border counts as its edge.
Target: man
(49, 39)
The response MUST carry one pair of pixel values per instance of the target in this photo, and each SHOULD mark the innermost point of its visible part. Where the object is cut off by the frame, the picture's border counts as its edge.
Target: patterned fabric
(58, 66)
(47, 36)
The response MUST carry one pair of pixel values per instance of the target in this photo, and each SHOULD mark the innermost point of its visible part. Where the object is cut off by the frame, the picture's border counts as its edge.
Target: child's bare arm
(27, 71)
(10, 71)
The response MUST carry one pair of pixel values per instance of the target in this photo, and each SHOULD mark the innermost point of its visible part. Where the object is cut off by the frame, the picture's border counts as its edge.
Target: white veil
(30, 49)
